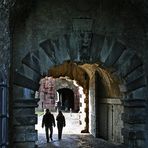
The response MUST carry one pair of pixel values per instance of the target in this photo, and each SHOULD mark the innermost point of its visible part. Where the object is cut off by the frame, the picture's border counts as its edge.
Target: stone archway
(88, 47)
(127, 65)
(123, 62)
(111, 54)
(108, 107)
(65, 83)
(77, 73)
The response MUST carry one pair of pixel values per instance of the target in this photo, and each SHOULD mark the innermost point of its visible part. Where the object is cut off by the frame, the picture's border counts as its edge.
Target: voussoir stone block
(134, 118)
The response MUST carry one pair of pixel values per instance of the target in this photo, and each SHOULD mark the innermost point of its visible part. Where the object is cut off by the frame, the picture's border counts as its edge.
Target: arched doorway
(66, 97)
(99, 47)
(108, 109)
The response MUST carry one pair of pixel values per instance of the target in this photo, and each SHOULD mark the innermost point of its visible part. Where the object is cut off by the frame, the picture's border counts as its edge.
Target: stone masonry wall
(59, 24)
(5, 71)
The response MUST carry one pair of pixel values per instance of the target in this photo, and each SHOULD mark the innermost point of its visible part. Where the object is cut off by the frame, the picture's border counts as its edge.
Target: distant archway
(66, 97)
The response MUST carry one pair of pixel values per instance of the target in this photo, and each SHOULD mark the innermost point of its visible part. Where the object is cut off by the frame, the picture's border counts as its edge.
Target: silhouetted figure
(49, 121)
(60, 123)
(66, 105)
(70, 112)
(59, 105)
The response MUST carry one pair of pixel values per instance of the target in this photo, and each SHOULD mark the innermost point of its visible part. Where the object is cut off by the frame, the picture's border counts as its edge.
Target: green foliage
(39, 113)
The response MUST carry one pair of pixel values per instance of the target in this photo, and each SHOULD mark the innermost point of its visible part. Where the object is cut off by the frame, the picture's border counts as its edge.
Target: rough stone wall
(52, 20)
(4, 37)
(111, 19)
(5, 69)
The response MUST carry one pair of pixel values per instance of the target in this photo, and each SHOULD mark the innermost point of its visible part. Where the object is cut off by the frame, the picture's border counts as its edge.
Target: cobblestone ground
(72, 138)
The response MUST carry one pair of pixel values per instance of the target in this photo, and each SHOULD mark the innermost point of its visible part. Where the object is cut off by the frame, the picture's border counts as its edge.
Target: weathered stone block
(21, 80)
(132, 103)
(49, 49)
(138, 72)
(92, 125)
(96, 46)
(115, 53)
(22, 111)
(122, 88)
(133, 134)
(138, 83)
(24, 129)
(134, 143)
(25, 120)
(30, 73)
(64, 44)
(32, 61)
(134, 118)
(126, 54)
(106, 48)
(26, 103)
(25, 136)
(130, 65)
(19, 137)
(140, 93)
(24, 145)
(32, 136)
(82, 24)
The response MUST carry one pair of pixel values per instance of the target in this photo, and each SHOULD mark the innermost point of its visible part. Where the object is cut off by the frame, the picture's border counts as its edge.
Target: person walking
(58, 106)
(60, 124)
(48, 121)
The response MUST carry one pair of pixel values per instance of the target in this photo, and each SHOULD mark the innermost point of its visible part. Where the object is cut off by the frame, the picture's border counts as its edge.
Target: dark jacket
(48, 120)
(60, 120)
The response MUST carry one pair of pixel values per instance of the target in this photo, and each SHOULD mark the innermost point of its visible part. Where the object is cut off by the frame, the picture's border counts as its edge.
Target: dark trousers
(60, 128)
(47, 132)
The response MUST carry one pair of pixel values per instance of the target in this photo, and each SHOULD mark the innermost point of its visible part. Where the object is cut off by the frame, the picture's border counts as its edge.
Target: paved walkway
(72, 138)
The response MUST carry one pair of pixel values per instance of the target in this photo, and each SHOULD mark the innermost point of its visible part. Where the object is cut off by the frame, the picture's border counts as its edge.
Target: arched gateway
(97, 46)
